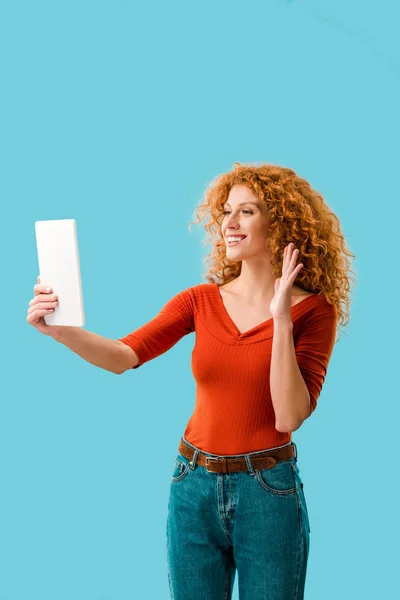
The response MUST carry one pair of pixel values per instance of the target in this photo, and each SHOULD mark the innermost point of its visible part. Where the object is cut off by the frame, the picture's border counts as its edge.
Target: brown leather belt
(264, 460)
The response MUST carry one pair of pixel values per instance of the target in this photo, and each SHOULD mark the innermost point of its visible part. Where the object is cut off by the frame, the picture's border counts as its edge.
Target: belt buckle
(214, 459)
(207, 459)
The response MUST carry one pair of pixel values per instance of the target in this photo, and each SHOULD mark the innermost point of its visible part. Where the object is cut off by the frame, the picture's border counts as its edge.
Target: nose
(232, 223)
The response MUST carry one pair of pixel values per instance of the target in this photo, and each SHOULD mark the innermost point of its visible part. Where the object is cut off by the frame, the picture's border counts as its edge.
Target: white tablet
(59, 268)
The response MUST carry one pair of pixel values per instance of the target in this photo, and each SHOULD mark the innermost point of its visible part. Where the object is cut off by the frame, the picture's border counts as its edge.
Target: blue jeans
(255, 522)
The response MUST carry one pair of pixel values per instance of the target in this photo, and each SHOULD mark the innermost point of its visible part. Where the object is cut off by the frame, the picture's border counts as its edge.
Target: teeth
(234, 239)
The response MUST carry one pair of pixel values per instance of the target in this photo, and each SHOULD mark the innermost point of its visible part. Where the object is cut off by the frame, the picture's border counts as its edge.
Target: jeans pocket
(181, 468)
(279, 479)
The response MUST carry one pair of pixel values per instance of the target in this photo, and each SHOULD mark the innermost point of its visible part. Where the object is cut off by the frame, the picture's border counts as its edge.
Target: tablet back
(59, 268)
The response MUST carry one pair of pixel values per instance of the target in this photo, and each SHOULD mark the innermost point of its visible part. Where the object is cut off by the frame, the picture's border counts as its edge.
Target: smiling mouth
(235, 243)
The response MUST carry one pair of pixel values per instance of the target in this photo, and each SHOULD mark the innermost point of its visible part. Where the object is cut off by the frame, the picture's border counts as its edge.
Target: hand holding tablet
(44, 302)
(59, 267)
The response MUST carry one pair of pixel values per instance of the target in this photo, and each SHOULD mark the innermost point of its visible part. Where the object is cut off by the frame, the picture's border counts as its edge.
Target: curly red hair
(298, 214)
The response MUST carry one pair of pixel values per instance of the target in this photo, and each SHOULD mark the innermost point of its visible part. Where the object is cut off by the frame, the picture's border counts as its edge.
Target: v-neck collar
(264, 326)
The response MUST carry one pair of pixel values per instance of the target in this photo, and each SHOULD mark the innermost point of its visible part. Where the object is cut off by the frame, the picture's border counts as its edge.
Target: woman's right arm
(112, 355)
(100, 351)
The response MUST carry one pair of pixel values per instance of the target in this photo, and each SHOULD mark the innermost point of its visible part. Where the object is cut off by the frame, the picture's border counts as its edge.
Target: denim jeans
(255, 522)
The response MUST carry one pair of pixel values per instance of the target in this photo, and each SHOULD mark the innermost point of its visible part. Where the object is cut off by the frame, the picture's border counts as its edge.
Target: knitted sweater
(233, 411)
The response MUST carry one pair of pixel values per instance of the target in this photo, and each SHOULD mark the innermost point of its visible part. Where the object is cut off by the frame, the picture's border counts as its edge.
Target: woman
(265, 328)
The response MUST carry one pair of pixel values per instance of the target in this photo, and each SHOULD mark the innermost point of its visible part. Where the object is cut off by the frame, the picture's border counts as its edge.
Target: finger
(39, 313)
(286, 259)
(295, 273)
(41, 306)
(295, 256)
(40, 298)
(41, 289)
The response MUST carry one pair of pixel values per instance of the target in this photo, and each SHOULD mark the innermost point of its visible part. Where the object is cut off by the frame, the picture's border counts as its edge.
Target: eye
(244, 210)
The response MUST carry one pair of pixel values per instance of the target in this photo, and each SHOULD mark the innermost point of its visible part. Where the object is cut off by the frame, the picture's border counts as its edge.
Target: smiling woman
(265, 329)
(273, 206)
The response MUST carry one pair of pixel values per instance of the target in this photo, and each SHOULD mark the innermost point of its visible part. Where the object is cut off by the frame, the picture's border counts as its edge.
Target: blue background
(118, 114)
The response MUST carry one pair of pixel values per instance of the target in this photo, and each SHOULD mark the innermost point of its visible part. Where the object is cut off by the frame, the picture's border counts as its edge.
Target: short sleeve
(174, 320)
(313, 347)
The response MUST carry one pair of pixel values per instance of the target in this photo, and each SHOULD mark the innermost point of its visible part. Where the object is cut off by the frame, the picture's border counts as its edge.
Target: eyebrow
(242, 203)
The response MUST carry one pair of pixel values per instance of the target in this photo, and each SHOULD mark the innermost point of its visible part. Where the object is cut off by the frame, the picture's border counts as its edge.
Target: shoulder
(317, 313)
(201, 288)
(202, 296)
(194, 294)
(300, 294)
(313, 307)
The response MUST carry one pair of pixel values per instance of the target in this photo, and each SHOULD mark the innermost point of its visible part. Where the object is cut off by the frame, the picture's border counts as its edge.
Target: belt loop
(192, 463)
(295, 451)
(249, 465)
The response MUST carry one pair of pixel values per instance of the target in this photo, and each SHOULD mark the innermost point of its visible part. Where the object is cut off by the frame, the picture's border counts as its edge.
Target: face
(244, 215)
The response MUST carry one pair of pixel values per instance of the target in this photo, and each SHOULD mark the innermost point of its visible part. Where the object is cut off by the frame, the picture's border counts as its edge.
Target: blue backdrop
(118, 114)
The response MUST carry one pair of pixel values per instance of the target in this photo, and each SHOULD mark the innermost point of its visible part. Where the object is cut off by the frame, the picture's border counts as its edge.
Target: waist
(216, 463)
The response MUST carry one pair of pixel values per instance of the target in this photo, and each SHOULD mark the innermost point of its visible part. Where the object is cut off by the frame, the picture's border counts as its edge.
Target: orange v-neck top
(233, 411)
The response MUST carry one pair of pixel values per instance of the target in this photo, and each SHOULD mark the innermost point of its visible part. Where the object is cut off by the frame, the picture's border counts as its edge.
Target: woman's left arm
(289, 392)
(297, 369)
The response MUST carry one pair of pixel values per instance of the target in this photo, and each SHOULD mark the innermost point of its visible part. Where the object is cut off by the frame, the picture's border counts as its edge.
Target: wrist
(56, 333)
(283, 323)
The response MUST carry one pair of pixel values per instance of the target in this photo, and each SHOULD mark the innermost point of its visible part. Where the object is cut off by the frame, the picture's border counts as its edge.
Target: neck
(255, 284)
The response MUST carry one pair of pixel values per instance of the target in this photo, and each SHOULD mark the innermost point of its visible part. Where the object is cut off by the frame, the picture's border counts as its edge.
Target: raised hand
(281, 303)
